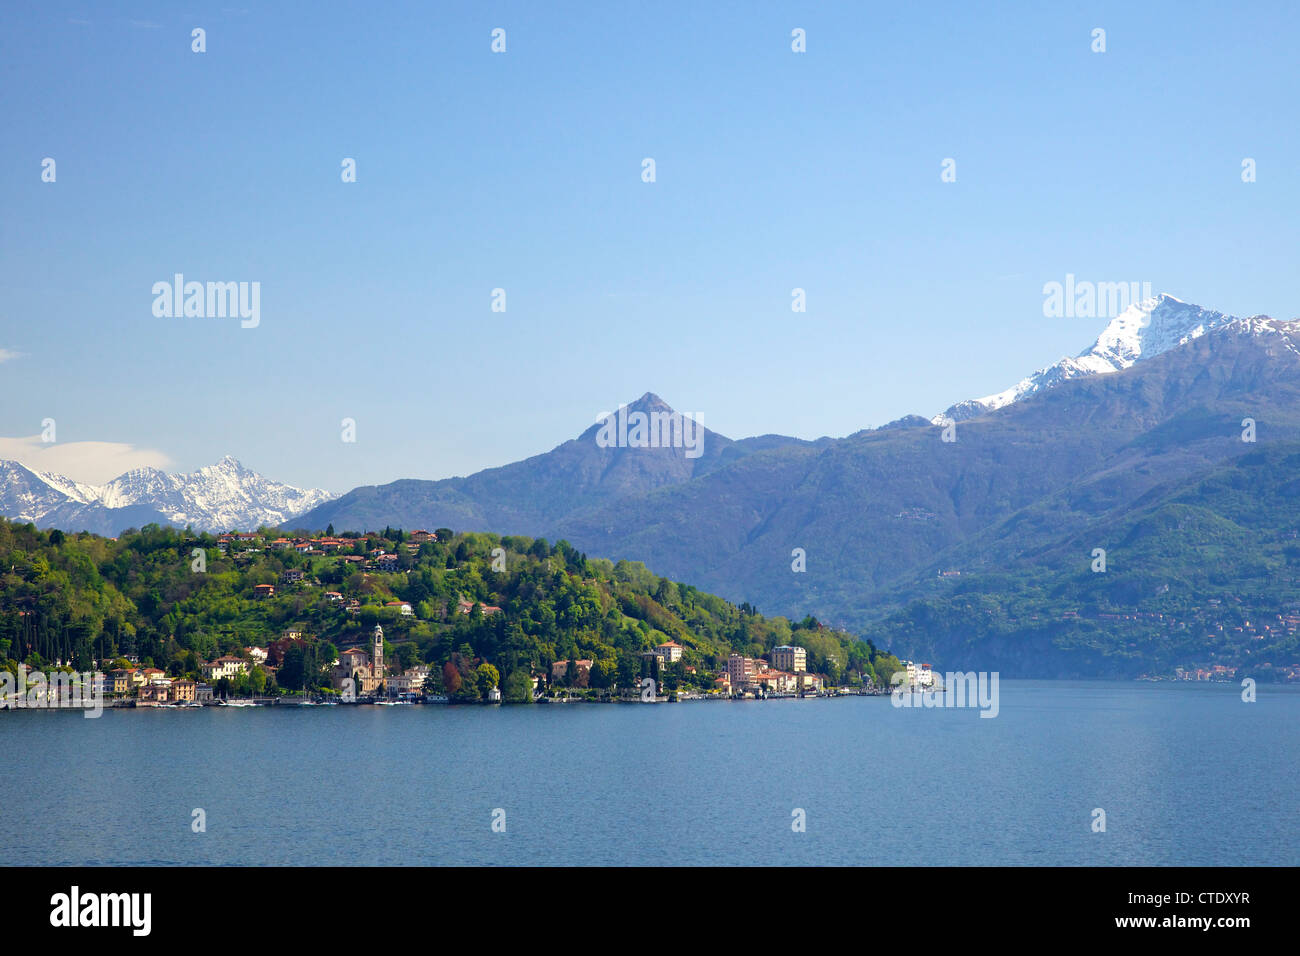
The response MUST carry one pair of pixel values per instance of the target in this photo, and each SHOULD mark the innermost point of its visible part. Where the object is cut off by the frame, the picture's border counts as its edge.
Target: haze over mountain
(218, 497)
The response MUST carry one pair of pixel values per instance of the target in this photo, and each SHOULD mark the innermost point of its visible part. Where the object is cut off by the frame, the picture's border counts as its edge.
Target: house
(410, 681)
(401, 606)
(279, 544)
(333, 596)
(123, 679)
(182, 690)
(261, 591)
(292, 576)
(224, 667)
(560, 668)
(387, 562)
(776, 682)
(464, 607)
(258, 654)
(152, 675)
(421, 536)
(154, 694)
(292, 632)
(671, 651)
(203, 693)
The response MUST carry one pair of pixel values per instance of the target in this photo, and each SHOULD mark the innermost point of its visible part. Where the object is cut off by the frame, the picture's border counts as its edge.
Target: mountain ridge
(216, 497)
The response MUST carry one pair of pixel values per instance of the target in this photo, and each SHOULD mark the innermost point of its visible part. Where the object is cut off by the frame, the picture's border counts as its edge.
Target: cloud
(91, 462)
(7, 354)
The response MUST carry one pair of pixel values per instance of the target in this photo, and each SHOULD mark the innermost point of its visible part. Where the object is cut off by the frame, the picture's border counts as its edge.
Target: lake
(1187, 774)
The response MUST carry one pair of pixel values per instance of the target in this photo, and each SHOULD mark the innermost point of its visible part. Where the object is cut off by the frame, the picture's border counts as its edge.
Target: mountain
(967, 552)
(881, 515)
(215, 498)
(1142, 331)
(530, 496)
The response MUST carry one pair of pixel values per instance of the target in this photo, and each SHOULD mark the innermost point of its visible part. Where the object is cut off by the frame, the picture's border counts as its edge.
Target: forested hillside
(174, 599)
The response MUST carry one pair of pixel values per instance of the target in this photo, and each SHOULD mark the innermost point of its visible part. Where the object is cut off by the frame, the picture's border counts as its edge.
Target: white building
(671, 651)
(918, 675)
(224, 667)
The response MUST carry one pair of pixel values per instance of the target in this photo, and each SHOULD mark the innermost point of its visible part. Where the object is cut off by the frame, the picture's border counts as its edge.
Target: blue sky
(522, 171)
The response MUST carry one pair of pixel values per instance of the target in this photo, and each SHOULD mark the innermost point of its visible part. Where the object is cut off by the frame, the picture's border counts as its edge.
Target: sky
(522, 170)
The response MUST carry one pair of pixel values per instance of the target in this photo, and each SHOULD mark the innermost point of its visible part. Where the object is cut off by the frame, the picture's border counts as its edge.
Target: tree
(486, 677)
(518, 687)
(451, 679)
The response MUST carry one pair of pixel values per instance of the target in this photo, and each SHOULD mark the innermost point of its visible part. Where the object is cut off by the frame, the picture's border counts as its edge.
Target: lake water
(1186, 773)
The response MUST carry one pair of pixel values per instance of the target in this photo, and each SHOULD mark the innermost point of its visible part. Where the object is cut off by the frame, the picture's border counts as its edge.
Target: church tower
(377, 668)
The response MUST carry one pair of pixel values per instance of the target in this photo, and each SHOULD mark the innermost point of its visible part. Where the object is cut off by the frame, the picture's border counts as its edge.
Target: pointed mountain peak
(1143, 330)
(650, 401)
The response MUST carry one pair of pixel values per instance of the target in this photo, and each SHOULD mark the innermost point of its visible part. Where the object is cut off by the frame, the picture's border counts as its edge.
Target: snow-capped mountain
(218, 497)
(1140, 332)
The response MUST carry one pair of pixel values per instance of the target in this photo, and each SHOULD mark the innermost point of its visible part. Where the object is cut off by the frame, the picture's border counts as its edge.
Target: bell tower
(377, 668)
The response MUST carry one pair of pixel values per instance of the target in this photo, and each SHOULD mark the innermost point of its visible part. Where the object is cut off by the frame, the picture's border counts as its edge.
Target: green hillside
(78, 598)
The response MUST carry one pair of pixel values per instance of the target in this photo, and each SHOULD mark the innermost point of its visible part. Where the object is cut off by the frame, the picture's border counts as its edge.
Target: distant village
(362, 676)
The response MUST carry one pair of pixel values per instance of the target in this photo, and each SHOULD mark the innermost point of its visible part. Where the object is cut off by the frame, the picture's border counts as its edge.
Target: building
(261, 591)
(122, 680)
(464, 607)
(918, 675)
(671, 651)
(258, 654)
(228, 667)
(183, 690)
(787, 657)
(561, 668)
(366, 672)
(776, 682)
(741, 670)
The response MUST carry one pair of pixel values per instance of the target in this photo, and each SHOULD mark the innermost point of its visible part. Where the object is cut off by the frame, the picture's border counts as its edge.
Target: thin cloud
(7, 354)
(90, 462)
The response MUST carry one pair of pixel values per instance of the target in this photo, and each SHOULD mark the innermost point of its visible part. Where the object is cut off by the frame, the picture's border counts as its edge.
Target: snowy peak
(217, 497)
(1142, 331)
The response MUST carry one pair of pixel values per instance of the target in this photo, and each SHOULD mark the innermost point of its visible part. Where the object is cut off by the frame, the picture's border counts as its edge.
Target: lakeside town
(361, 676)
